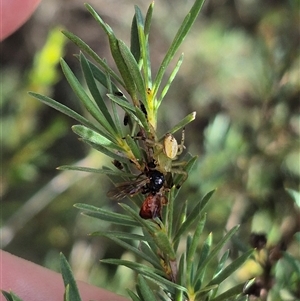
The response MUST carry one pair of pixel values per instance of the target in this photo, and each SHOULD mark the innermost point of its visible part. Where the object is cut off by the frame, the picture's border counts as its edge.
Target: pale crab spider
(166, 152)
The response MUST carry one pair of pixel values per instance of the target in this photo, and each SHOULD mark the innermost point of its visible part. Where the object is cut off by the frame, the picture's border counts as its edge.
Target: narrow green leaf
(169, 82)
(142, 119)
(230, 293)
(139, 267)
(177, 178)
(203, 254)
(205, 290)
(133, 68)
(215, 252)
(116, 52)
(181, 271)
(151, 244)
(115, 114)
(95, 170)
(124, 70)
(145, 248)
(10, 296)
(85, 99)
(189, 239)
(179, 37)
(144, 46)
(136, 150)
(69, 279)
(190, 258)
(179, 223)
(222, 262)
(95, 15)
(170, 213)
(6, 295)
(194, 215)
(106, 215)
(148, 19)
(114, 237)
(123, 174)
(90, 80)
(135, 113)
(133, 296)
(121, 102)
(117, 155)
(104, 134)
(181, 124)
(86, 49)
(67, 293)
(162, 240)
(147, 64)
(95, 137)
(63, 109)
(237, 263)
(150, 226)
(101, 77)
(134, 40)
(181, 276)
(206, 198)
(15, 297)
(151, 273)
(146, 291)
(168, 286)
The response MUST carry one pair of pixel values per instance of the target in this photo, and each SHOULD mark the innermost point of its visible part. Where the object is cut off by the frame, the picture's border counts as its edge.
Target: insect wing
(127, 189)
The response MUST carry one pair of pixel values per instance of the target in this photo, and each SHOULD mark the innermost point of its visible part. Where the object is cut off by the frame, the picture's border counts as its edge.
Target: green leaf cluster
(158, 249)
(133, 89)
(175, 274)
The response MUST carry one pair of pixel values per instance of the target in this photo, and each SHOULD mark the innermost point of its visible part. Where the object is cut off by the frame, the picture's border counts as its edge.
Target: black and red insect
(151, 183)
(152, 206)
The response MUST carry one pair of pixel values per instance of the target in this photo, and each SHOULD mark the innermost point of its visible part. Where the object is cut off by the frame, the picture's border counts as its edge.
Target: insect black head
(157, 180)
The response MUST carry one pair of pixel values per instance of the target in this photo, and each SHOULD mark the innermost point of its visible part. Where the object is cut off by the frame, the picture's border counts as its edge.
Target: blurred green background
(240, 74)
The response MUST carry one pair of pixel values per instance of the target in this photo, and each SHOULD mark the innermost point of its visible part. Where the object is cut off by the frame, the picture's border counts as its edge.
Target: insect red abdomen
(151, 207)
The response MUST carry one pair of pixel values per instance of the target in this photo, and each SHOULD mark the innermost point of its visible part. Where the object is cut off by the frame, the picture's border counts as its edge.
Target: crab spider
(166, 153)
